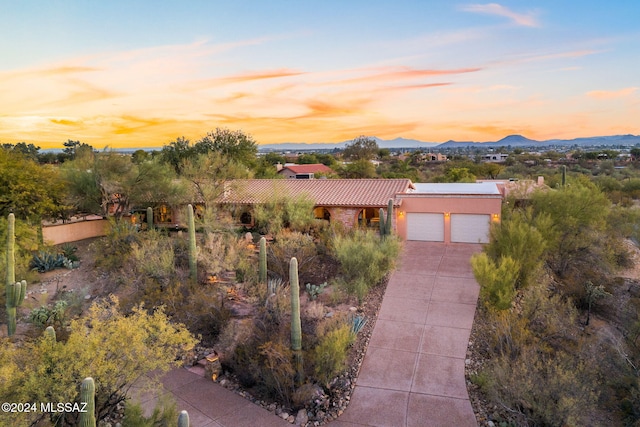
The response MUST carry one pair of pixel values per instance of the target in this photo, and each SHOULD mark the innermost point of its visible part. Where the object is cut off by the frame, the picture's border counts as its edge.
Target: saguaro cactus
(11, 243)
(382, 226)
(183, 419)
(564, 175)
(15, 296)
(296, 327)
(389, 221)
(149, 218)
(88, 396)
(193, 265)
(50, 334)
(262, 267)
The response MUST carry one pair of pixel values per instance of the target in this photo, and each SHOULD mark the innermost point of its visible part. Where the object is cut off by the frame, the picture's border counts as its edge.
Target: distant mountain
(509, 141)
(382, 143)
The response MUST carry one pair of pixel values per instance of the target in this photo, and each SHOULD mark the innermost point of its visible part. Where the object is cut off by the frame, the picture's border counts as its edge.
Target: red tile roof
(310, 168)
(323, 192)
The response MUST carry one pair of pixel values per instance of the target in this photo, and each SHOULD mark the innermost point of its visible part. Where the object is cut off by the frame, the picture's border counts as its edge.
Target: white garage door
(467, 228)
(425, 226)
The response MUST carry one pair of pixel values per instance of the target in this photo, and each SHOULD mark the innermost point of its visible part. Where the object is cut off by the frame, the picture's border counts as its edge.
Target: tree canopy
(362, 147)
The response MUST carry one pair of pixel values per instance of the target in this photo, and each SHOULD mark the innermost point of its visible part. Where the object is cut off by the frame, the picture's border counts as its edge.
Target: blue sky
(144, 73)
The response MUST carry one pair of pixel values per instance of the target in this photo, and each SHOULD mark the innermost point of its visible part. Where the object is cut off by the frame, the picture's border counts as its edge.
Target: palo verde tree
(236, 145)
(96, 180)
(114, 349)
(27, 189)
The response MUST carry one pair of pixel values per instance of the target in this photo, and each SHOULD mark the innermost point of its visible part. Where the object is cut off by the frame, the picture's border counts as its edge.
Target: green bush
(364, 260)
(330, 355)
(497, 281)
(165, 414)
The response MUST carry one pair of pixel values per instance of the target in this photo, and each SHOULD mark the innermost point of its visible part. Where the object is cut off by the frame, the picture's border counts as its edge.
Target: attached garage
(470, 228)
(427, 227)
(449, 213)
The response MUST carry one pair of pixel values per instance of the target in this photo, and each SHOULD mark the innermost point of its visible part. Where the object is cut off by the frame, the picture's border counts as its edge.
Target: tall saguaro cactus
(296, 326)
(11, 245)
(15, 291)
(262, 267)
(382, 226)
(389, 221)
(193, 265)
(88, 396)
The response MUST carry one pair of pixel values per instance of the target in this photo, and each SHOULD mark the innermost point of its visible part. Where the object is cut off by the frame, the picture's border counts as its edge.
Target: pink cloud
(528, 19)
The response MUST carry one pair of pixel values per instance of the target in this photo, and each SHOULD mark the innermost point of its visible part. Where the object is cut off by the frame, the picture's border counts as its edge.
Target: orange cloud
(401, 73)
(612, 94)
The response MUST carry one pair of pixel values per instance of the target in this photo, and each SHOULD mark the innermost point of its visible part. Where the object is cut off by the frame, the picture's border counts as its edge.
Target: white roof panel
(483, 188)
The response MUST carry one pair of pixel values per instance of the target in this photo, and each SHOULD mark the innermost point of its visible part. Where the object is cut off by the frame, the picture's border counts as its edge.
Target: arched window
(246, 218)
(322, 213)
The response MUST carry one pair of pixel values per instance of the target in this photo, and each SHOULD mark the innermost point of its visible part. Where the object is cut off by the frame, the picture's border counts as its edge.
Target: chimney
(278, 167)
(541, 180)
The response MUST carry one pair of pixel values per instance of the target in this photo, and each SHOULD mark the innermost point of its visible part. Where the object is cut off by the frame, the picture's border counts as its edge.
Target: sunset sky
(142, 73)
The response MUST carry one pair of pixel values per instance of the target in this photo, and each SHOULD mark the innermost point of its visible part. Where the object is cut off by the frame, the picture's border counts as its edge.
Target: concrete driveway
(413, 371)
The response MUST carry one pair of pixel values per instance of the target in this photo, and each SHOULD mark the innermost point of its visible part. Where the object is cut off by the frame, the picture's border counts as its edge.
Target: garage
(427, 227)
(449, 212)
(470, 228)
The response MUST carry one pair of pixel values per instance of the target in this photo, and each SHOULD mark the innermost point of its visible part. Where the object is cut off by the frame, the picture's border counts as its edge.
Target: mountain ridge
(510, 140)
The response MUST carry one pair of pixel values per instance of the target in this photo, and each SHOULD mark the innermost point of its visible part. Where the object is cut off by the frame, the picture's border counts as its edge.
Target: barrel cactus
(50, 334)
(88, 396)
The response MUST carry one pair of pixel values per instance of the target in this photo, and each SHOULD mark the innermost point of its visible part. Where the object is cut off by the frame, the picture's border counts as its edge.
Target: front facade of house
(443, 212)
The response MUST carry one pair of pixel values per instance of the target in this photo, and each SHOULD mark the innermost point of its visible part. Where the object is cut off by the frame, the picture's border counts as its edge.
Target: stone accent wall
(347, 216)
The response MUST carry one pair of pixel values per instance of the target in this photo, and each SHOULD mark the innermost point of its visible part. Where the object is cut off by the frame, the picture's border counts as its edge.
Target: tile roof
(310, 168)
(323, 192)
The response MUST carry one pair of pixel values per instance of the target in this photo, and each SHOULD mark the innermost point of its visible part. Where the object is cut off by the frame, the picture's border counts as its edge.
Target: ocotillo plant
(183, 419)
(262, 267)
(15, 296)
(388, 222)
(88, 396)
(296, 327)
(193, 265)
(149, 218)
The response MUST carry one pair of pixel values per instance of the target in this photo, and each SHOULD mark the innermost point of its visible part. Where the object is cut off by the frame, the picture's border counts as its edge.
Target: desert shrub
(220, 252)
(288, 244)
(44, 261)
(206, 313)
(277, 370)
(116, 245)
(497, 280)
(330, 355)
(164, 414)
(154, 257)
(365, 259)
(521, 241)
(542, 390)
(281, 211)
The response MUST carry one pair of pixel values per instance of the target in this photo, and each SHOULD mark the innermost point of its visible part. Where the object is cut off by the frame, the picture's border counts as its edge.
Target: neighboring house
(495, 157)
(309, 171)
